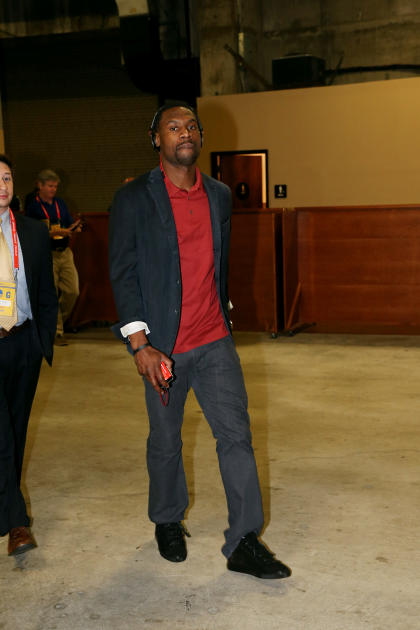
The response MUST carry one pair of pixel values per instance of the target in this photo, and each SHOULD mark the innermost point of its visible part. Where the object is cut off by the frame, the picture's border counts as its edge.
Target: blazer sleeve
(47, 303)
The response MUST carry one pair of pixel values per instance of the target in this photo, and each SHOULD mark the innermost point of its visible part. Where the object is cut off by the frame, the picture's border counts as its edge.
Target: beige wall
(346, 144)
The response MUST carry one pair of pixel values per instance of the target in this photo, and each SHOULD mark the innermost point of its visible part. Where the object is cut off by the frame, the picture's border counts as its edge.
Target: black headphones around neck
(156, 119)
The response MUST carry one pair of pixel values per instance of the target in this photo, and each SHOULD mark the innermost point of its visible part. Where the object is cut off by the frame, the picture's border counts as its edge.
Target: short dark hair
(6, 160)
(170, 105)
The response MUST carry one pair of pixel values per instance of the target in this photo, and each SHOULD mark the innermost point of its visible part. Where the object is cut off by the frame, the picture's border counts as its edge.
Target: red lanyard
(15, 241)
(46, 213)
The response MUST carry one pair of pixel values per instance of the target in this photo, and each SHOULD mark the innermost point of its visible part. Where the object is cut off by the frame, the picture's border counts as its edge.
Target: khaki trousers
(66, 282)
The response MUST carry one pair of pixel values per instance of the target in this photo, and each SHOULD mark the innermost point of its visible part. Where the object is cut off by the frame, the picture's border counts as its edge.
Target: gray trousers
(214, 372)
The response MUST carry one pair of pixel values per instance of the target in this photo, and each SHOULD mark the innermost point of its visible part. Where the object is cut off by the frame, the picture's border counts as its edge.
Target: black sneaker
(252, 557)
(171, 541)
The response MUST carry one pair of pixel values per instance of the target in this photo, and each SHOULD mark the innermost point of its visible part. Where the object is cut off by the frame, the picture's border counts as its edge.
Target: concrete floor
(336, 435)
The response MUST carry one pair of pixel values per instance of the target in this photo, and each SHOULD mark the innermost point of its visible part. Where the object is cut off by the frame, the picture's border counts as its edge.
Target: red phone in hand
(167, 374)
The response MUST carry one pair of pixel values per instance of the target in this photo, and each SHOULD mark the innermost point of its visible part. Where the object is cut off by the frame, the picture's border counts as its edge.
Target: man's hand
(148, 364)
(148, 361)
(76, 226)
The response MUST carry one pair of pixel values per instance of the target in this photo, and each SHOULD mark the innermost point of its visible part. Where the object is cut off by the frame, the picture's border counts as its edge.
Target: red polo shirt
(201, 316)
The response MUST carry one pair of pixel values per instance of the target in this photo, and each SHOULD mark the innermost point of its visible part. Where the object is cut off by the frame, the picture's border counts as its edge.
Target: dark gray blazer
(144, 257)
(36, 250)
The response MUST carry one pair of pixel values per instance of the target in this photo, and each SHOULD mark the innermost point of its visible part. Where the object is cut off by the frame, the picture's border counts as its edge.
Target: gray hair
(47, 175)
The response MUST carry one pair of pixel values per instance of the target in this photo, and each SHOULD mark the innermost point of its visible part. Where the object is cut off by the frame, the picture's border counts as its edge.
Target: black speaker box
(296, 71)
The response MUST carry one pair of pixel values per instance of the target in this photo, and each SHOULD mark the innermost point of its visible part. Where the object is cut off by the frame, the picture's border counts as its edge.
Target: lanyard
(46, 213)
(15, 241)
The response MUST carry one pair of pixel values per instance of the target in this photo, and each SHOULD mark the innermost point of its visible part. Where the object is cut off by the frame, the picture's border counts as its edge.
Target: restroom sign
(280, 191)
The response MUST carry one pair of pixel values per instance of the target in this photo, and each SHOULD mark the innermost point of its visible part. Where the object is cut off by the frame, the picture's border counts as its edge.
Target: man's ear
(152, 135)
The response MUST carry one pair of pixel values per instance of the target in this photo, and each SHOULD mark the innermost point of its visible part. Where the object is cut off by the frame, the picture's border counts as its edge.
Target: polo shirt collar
(175, 191)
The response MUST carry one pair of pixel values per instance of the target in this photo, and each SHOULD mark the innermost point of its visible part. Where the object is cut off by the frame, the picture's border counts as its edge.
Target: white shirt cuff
(133, 327)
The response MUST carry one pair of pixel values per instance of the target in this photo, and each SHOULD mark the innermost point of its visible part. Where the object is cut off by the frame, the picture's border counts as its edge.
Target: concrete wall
(346, 144)
(370, 33)
(237, 24)
(374, 33)
(357, 32)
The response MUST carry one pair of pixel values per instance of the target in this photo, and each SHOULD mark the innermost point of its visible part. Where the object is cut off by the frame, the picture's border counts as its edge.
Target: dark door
(245, 172)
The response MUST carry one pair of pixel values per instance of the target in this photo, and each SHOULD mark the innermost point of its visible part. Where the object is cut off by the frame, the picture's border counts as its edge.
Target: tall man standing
(28, 316)
(169, 245)
(53, 210)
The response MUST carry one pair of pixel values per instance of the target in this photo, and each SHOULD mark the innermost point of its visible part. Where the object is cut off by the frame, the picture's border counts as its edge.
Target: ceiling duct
(154, 63)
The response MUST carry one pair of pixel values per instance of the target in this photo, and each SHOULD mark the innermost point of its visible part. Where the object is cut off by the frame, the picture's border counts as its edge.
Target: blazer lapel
(213, 198)
(26, 245)
(156, 187)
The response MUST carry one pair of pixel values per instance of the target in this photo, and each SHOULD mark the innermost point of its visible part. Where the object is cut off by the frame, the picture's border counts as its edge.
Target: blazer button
(175, 311)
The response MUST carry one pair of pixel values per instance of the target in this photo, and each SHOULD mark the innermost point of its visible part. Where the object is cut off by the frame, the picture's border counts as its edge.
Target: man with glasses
(28, 316)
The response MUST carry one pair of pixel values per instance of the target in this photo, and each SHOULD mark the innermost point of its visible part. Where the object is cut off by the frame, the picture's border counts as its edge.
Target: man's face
(178, 137)
(48, 189)
(6, 187)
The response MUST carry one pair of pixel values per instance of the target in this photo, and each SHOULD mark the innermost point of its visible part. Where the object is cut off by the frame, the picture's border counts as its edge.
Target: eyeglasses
(7, 179)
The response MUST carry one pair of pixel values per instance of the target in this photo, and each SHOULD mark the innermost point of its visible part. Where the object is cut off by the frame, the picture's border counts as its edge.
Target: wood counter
(343, 269)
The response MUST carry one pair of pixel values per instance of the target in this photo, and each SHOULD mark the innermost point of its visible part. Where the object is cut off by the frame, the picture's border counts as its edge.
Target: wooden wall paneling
(90, 248)
(349, 269)
(359, 268)
(253, 270)
(291, 284)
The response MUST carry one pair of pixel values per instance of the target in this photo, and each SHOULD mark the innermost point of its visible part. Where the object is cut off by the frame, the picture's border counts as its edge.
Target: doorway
(246, 174)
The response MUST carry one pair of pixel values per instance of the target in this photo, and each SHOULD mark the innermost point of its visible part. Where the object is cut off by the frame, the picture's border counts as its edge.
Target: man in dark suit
(169, 247)
(28, 317)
